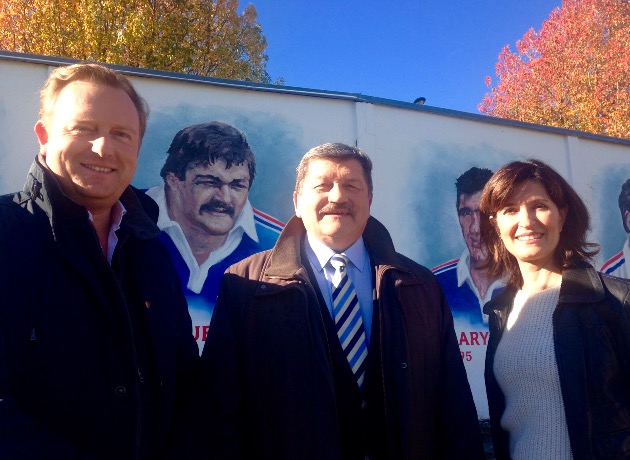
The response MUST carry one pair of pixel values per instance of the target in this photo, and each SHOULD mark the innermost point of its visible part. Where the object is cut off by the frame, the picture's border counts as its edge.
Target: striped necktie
(348, 320)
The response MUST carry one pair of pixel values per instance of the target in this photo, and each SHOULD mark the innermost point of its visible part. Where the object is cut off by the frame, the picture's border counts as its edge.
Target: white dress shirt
(116, 216)
(464, 276)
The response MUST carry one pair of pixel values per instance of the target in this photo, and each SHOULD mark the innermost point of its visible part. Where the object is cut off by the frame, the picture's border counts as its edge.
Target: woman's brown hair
(572, 248)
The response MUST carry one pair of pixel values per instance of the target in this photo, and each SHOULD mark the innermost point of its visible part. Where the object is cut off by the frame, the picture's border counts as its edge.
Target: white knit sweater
(526, 370)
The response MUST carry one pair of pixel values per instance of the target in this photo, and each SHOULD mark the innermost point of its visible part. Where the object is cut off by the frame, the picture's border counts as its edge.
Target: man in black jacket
(333, 346)
(97, 359)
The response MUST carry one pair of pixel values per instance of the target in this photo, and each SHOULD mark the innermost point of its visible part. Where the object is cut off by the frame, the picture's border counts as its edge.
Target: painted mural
(221, 179)
(428, 173)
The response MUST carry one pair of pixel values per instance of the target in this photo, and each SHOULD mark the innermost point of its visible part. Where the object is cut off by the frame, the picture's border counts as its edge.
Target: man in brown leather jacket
(281, 379)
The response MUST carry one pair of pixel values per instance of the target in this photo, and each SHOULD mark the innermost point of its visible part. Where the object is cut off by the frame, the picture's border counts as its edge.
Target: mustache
(217, 206)
(335, 208)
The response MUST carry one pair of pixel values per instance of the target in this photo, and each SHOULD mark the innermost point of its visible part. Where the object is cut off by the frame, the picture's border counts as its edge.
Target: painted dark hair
(205, 143)
(572, 248)
(471, 182)
(624, 203)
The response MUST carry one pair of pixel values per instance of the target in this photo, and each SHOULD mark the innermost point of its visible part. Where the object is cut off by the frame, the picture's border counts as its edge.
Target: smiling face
(468, 212)
(90, 142)
(529, 225)
(334, 202)
(210, 198)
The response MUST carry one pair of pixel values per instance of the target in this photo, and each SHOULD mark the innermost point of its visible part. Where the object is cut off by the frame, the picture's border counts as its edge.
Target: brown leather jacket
(268, 364)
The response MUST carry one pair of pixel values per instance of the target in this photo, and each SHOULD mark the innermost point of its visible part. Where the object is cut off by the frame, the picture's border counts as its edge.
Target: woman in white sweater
(558, 358)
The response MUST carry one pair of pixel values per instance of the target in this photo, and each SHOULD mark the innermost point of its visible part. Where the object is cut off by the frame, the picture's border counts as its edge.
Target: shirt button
(120, 391)
(404, 365)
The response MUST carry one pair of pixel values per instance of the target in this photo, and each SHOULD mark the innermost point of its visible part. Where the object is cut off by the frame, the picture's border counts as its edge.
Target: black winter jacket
(72, 367)
(591, 333)
(269, 365)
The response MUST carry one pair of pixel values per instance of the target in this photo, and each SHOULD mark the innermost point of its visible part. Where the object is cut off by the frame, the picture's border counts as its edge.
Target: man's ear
(296, 199)
(172, 180)
(42, 136)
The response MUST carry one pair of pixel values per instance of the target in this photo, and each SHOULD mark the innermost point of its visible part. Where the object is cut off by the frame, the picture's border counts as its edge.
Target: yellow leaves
(574, 73)
(204, 37)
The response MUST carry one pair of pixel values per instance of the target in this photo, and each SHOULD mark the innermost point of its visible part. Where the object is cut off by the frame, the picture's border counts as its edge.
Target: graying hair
(335, 152)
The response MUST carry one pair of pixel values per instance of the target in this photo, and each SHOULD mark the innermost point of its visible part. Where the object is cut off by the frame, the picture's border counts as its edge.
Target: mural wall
(429, 165)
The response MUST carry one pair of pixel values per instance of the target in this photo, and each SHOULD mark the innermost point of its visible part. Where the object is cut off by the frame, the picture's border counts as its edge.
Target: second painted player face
(334, 202)
(210, 198)
(468, 212)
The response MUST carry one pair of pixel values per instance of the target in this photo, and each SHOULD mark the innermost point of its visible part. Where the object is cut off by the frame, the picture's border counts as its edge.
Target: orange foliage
(202, 37)
(574, 73)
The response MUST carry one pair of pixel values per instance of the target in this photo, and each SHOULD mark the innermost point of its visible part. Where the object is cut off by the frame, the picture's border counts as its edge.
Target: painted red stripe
(614, 259)
(269, 218)
(454, 261)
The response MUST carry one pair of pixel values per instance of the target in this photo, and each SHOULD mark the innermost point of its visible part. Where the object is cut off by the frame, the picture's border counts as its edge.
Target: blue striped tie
(348, 320)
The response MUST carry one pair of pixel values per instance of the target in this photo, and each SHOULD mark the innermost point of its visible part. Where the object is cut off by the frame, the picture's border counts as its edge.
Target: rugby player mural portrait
(617, 265)
(468, 286)
(465, 281)
(206, 218)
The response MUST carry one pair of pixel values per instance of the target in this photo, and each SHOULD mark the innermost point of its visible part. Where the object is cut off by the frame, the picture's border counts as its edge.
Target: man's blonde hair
(93, 73)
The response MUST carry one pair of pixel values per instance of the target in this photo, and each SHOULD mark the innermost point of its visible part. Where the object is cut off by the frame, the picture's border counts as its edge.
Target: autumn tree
(201, 37)
(574, 73)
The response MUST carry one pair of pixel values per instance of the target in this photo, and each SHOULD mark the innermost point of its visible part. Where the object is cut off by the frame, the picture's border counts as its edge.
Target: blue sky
(400, 50)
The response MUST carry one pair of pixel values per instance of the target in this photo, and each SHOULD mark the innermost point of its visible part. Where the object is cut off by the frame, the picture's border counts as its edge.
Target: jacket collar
(45, 191)
(286, 262)
(501, 302)
(581, 284)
